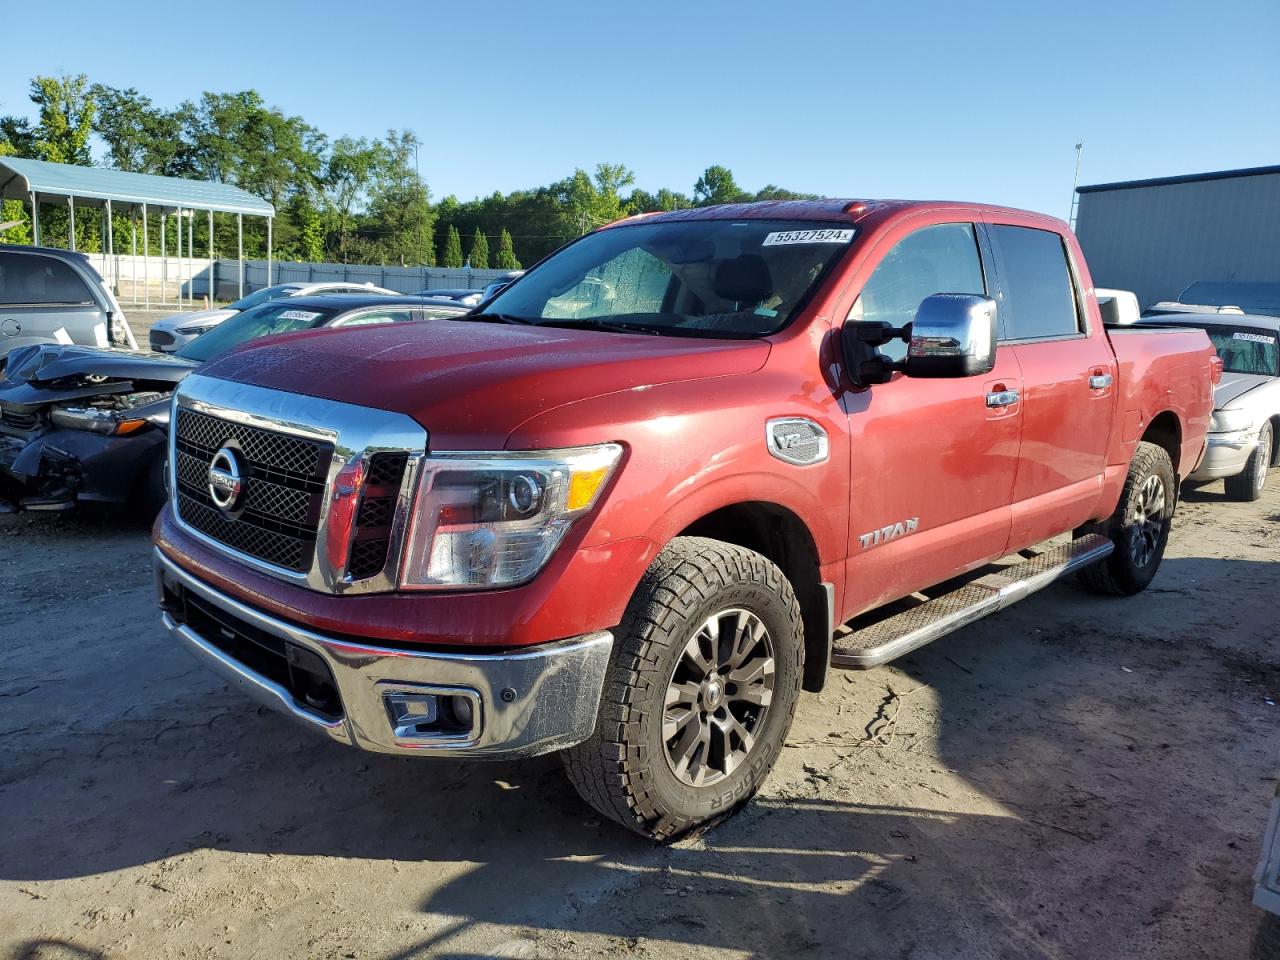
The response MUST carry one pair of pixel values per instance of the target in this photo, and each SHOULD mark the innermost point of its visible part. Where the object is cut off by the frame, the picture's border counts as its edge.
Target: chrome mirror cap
(953, 335)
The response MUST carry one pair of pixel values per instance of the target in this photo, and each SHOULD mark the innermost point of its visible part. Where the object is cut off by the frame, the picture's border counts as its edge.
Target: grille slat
(284, 485)
(372, 541)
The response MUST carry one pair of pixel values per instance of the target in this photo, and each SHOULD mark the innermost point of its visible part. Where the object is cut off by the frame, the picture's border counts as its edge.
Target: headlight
(1230, 421)
(493, 520)
(195, 331)
(99, 421)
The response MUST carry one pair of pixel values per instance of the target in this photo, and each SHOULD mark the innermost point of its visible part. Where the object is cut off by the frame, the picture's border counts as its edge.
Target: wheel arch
(1165, 431)
(777, 533)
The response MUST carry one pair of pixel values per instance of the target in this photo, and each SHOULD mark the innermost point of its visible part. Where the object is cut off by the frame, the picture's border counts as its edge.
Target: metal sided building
(1155, 237)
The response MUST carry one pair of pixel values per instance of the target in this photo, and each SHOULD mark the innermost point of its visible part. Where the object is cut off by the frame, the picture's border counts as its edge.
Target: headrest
(744, 279)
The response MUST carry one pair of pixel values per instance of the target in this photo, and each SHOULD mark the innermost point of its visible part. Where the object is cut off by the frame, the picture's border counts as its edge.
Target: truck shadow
(1060, 748)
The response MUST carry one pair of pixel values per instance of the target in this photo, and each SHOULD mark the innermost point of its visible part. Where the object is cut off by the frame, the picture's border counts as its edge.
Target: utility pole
(1075, 180)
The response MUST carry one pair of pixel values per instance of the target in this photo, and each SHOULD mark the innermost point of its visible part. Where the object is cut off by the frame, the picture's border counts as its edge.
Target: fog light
(411, 712)
(437, 713)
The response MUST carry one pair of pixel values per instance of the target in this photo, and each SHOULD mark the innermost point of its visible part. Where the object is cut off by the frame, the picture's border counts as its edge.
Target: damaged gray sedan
(87, 424)
(84, 423)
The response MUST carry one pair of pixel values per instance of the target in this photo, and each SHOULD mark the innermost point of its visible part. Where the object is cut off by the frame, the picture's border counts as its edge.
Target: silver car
(55, 296)
(169, 334)
(1246, 415)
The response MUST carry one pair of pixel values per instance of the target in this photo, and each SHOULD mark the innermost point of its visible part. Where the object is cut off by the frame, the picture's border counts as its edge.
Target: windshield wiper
(489, 316)
(600, 323)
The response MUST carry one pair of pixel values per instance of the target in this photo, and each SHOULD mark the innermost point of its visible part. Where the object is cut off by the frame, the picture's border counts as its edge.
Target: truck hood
(470, 383)
(1233, 386)
(44, 373)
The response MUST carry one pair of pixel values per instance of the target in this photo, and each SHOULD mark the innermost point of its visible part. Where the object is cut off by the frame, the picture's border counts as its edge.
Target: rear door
(43, 298)
(933, 460)
(1068, 373)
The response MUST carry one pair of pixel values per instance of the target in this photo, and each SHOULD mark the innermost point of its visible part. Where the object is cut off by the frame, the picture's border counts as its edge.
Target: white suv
(169, 334)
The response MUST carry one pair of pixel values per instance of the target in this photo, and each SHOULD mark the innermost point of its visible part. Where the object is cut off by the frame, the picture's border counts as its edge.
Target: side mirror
(953, 335)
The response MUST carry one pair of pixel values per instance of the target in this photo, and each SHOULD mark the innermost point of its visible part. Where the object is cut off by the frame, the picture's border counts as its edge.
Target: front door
(933, 461)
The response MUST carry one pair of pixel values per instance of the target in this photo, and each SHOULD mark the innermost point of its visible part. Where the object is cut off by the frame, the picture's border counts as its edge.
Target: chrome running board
(897, 634)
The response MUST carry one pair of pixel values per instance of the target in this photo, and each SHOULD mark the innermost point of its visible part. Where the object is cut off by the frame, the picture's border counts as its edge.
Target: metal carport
(39, 181)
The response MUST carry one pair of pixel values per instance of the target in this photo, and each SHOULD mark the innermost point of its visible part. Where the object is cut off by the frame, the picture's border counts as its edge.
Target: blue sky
(974, 101)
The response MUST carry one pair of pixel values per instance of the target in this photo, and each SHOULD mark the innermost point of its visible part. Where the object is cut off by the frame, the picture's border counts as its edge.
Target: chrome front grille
(326, 486)
(371, 538)
(284, 488)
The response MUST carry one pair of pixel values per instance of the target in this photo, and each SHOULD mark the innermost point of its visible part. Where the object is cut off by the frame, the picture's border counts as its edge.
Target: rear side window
(938, 259)
(1041, 300)
(33, 279)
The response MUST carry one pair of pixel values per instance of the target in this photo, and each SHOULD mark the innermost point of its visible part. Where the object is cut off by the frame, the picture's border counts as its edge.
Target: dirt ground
(1076, 777)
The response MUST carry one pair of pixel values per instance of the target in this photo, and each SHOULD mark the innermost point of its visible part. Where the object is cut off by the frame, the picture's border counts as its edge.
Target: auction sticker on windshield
(782, 237)
(298, 315)
(1254, 337)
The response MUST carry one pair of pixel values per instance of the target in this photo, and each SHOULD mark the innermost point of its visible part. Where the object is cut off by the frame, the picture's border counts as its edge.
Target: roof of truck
(828, 209)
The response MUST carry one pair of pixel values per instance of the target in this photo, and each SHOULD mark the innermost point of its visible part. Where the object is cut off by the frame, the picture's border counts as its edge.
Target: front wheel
(1248, 483)
(1139, 527)
(700, 692)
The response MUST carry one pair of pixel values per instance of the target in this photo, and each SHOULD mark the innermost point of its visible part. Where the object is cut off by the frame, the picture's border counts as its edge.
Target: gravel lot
(1077, 777)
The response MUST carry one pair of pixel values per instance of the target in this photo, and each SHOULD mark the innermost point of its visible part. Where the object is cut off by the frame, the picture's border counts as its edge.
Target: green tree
(401, 221)
(452, 256)
(506, 252)
(349, 175)
(17, 138)
(716, 185)
(479, 255)
(12, 211)
(66, 109)
(140, 137)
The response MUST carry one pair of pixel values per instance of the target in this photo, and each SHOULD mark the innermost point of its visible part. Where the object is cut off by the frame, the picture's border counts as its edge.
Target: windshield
(716, 278)
(264, 295)
(1244, 349)
(257, 322)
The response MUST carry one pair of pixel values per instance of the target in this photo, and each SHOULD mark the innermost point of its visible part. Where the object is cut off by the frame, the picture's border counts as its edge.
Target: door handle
(1002, 398)
(1100, 381)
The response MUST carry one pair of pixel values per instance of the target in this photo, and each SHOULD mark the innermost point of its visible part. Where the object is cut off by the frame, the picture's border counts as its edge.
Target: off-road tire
(1119, 573)
(1266, 938)
(623, 769)
(1247, 485)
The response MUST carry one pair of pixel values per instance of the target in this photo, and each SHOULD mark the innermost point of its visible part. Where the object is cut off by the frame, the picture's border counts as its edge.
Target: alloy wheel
(1147, 521)
(718, 696)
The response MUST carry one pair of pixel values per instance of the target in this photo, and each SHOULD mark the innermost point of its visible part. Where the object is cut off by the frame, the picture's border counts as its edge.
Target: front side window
(938, 259)
(265, 320)
(706, 278)
(27, 278)
(1041, 299)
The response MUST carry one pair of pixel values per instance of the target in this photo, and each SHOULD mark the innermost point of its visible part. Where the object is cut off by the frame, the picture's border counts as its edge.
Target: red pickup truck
(634, 504)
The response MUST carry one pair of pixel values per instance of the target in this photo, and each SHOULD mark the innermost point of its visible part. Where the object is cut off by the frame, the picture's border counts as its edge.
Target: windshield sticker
(783, 237)
(297, 315)
(1254, 337)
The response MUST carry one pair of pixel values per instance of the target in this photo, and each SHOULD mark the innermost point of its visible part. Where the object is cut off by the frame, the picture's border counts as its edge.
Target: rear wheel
(701, 689)
(1139, 527)
(1248, 483)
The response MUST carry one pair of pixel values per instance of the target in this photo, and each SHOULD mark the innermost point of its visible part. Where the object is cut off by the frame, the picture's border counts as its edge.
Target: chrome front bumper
(1225, 455)
(525, 702)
